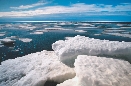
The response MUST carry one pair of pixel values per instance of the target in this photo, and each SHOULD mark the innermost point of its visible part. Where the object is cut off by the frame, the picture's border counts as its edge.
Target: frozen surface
(69, 49)
(2, 34)
(38, 32)
(100, 71)
(119, 34)
(34, 70)
(6, 40)
(54, 28)
(25, 39)
(82, 31)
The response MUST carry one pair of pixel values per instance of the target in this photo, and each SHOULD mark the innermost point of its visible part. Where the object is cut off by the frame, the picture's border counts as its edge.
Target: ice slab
(34, 70)
(25, 39)
(7, 41)
(69, 49)
(81, 31)
(2, 34)
(38, 32)
(100, 71)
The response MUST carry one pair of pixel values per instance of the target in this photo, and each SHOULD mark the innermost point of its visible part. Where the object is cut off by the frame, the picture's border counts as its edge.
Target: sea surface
(31, 37)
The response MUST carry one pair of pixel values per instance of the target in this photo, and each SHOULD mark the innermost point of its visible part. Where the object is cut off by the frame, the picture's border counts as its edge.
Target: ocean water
(31, 37)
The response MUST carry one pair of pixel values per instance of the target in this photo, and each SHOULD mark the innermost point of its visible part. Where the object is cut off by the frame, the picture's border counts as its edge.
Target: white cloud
(74, 8)
(22, 7)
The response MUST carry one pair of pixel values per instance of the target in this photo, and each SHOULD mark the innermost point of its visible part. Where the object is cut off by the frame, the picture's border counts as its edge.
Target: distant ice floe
(12, 37)
(37, 32)
(97, 34)
(7, 41)
(82, 31)
(125, 27)
(69, 49)
(83, 27)
(100, 71)
(42, 30)
(119, 34)
(25, 39)
(2, 34)
(34, 70)
(53, 28)
(114, 30)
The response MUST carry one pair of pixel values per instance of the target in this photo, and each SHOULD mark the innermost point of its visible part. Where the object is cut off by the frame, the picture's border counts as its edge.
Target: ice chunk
(25, 39)
(82, 31)
(100, 71)
(7, 41)
(83, 27)
(2, 34)
(37, 32)
(69, 49)
(54, 28)
(34, 70)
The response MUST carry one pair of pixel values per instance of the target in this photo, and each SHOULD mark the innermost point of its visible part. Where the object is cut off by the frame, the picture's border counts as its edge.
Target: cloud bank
(74, 8)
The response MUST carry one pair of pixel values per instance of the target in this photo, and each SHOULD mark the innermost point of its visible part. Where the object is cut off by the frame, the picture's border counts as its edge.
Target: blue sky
(65, 9)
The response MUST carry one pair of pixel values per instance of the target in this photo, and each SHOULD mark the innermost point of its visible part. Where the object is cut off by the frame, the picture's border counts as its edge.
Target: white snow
(34, 70)
(100, 71)
(82, 31)
(25, 39)
(69, 49)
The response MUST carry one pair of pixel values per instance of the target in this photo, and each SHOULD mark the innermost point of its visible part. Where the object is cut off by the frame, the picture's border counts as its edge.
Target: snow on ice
(83, 52)
(34, 70)
(68, 50)
(100, 71)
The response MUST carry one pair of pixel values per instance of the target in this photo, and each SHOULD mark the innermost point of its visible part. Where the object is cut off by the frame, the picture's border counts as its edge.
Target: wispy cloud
(22, 7)
(74, 8)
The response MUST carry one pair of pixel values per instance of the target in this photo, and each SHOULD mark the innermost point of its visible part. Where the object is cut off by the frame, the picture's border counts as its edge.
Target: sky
(86, 10)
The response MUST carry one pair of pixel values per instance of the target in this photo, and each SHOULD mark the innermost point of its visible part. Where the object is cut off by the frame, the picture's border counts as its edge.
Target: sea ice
(53, 28)
(100, 71)
(119, 34)
(34, 70)
(82, 31)
(7, 41)
(2, 34)
(37, 32)
(69, 49)
(25, 39)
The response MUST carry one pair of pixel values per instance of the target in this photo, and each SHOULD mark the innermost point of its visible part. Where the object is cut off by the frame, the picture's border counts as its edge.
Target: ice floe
(114, 30)
(100, 71)
(82, 31)
(34, 70)
(25, 39)
(2, 34)
(12, 37)
(69, 49)
(119, 34)
(7, 41)
(37, 32)
(53, 28)
(83, 27)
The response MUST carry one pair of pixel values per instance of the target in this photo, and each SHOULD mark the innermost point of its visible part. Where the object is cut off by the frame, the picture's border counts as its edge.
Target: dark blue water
(44, 41)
